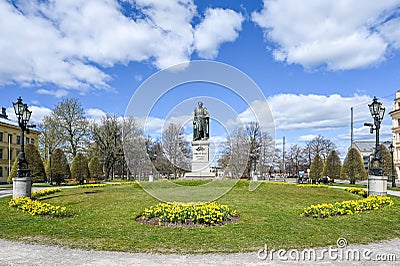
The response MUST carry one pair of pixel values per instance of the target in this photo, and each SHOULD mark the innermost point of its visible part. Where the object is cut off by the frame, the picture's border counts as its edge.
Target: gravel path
(15, 253)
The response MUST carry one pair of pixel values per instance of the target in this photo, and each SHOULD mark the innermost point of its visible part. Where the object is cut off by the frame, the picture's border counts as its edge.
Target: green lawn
(105, 220)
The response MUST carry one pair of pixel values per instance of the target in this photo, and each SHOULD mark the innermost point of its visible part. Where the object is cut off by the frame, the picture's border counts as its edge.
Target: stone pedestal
(377, 185)
(22, 187)
(200, 160)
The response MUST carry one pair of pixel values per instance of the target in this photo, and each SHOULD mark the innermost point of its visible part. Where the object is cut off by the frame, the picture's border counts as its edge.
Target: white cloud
(308, 137)
(38, 112)
(296, 112)
(95, 114)
(341, 34)
(219, 26)
(391, 32)
(57, 93)
(66, 42)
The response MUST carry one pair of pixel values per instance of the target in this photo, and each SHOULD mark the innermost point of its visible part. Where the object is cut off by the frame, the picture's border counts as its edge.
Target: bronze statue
(201, 123)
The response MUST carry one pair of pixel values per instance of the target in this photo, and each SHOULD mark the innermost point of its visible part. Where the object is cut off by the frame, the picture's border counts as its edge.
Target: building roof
(13, 123)
(8, 122)
(368, 146)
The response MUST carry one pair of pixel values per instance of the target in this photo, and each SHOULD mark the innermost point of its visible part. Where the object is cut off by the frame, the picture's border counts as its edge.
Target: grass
(105, 220)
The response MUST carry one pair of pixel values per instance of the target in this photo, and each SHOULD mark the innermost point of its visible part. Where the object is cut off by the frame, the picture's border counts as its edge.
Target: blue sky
(312, 61)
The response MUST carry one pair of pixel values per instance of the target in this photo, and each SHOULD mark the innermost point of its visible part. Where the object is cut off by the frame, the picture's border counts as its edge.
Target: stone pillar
(377, 185)
(201, 156)
(200, 160)
(22, 187)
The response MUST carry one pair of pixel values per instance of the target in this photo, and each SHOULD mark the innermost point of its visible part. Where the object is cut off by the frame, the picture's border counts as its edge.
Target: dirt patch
(155, 221)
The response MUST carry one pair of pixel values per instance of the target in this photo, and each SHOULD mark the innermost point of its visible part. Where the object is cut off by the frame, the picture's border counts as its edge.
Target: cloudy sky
(313, 60)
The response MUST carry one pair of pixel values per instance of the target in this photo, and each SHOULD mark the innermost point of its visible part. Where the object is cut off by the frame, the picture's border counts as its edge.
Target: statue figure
(201, 123)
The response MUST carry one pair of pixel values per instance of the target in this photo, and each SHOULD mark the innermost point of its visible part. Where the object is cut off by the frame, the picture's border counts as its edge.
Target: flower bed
(34, 207)
(347, 207)
(358, 191)
(197, 213)
(91, 185)
(40, 193)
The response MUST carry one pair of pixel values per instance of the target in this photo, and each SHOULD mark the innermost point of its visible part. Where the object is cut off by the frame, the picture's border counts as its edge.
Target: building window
(27, 141)
(1, 154)
(9, 138)
(1, 171)
(32, 141)
(1, 136)
(18, 139)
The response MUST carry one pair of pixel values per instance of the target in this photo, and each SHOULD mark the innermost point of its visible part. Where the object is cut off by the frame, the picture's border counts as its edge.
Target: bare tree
(135, 148)
(49, 139)
(254, 135)
(72, 123)
(176, 148)
(296, 160)
(108, 140)
(267, 154)
(156, 154)
(237, 152)
(319, 145)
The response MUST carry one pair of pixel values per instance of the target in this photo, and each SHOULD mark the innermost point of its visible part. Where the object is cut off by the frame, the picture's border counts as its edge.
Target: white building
(395, 114)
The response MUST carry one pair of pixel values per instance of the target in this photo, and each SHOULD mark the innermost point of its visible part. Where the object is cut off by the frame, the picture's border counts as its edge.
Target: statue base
(200, 161)
(22, 187)
(377, 185)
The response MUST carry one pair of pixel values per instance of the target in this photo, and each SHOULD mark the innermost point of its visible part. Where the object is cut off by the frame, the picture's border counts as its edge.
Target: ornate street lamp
(377, 113)
(391, 149)
(23, 115)
(23, 181)
(51, 171)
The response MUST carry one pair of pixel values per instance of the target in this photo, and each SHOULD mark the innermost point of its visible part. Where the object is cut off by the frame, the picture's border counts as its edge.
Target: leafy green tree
(317, 167)
(333, 165)
(353, 167)
(59, 166)
(386, 161)
(79, 168)
(95, 168)
(13, 172)
(35, 163)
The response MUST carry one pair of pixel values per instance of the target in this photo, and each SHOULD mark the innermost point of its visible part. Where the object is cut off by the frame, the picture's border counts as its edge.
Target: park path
(20, 254)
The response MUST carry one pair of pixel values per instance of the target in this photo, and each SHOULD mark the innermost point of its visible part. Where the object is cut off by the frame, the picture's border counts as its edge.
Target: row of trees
(122, 149)
(80, 169)
(353, 168)
(119, 143)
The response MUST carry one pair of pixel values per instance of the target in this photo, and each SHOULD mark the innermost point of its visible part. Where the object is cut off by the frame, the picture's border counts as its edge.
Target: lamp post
(51, 170)
(377, 113)
(391, 149)
(22, 183)
(377, 183)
